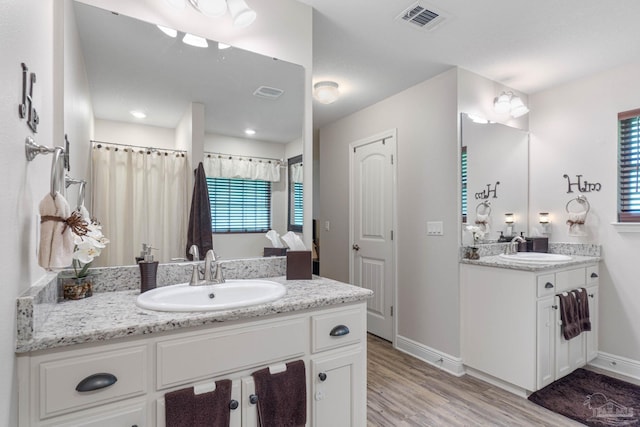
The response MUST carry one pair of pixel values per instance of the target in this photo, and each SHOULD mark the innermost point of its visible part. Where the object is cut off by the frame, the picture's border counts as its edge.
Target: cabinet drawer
(546, 285)
(59, 379)
(129, 415)
(336, 329)
(593, 273)
(570, 279)
(207, 355)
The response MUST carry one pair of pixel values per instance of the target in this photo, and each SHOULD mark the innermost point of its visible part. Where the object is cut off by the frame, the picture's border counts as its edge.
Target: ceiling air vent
(268, 92)
(422, 16)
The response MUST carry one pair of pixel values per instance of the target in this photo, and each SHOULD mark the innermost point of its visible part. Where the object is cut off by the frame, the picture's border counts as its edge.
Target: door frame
(387, 134)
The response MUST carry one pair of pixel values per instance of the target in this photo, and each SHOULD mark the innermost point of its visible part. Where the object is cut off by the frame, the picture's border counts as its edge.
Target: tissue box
(299, 265)
(537, 244)
(275, 251)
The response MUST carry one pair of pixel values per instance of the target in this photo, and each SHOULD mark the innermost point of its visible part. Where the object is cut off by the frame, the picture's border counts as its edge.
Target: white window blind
(629, 166)
(239, 205)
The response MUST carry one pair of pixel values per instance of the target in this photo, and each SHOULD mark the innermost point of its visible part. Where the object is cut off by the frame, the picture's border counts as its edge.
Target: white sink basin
(536, 257)
(224, 296)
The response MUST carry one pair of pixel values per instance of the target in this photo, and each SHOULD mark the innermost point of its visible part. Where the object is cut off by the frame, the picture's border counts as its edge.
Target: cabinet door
(337, 384)
(235, 419)
(546, 339)
(592, 335)
(570, 354)
(249, 406)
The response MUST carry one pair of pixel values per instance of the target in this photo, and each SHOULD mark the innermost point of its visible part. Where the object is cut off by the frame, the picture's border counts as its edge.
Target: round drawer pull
(253, 399)
(322, 376)
(548, 285)
(233, 404)
(96, 382)
(339, 331)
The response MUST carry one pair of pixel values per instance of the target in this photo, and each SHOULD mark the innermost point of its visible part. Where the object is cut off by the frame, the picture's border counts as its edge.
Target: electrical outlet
(435, 228)
(327, 226)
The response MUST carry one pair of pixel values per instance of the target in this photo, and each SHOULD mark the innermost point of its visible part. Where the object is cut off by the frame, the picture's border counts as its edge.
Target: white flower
(476, 232)
(86, 251)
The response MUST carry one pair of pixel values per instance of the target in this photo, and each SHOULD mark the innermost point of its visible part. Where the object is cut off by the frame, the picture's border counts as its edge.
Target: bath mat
(593, 399)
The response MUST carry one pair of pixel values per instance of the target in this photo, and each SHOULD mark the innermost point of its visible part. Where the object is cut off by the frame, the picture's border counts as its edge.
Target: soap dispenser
(148, 271)
(146, 249)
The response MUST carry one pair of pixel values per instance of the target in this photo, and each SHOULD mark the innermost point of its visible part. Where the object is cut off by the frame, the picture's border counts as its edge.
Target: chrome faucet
(511, 247)
(210, 260)
(195, 252)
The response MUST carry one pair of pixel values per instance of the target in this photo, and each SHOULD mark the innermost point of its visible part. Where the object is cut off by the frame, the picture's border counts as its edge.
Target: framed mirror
(295, 191)
(495, 178)
(133, 65)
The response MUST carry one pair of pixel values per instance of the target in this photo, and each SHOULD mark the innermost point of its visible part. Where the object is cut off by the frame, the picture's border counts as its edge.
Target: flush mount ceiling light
(138, 114)
(507, 102)
(326, 92)
(241, 14)
(249, 132)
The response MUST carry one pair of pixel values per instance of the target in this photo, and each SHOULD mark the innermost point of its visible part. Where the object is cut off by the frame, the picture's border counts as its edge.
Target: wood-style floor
(404, 391)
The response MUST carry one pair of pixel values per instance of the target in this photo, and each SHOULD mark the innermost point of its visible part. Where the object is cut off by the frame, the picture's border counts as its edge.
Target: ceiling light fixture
(507, 102)
(241, 14)
(138, 114)
(249, 131)
(326, 92)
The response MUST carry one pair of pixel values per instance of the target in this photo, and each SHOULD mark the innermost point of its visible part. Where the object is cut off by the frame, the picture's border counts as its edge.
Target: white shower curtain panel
(140, 196)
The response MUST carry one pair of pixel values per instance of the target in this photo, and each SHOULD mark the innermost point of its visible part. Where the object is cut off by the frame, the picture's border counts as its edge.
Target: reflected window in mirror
(239, 205)
(463, 180)
(296, 192)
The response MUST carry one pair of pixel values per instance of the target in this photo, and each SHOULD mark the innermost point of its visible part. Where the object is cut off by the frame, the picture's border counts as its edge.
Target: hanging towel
(482, 221)
(56, 236)
(576, 223)
(183, 408)
(582, 299)
(199, 232)
(569, 315)
(282, 397)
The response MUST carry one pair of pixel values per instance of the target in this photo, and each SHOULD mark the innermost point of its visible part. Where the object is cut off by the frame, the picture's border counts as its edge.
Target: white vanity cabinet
(331, 341)
(511, 327)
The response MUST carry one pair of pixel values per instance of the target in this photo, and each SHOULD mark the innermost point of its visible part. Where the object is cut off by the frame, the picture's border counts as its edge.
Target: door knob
(355, 247)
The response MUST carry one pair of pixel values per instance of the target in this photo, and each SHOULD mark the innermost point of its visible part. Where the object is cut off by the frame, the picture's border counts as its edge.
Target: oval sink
(535, 257)
(224, 296)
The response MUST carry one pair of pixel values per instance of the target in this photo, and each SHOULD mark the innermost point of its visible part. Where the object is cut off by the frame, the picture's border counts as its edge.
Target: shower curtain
(140, 196)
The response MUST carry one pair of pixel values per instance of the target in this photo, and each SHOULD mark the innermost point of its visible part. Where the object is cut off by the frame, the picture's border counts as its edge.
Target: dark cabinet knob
(233, 404)
(594, 275)
(253, 399)
(322, 376)
(96, 382)
(548, 285)
(339, 331)
(592, 295)
(555, 307)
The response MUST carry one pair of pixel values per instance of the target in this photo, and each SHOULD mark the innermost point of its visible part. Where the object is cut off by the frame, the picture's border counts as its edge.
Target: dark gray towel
(569, 315)
(183, 408)
(582, 299)
(282, 397)
(199, 232)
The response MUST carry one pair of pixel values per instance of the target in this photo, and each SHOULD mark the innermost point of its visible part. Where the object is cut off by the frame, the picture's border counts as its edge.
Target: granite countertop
(110, 315)
(499, 262)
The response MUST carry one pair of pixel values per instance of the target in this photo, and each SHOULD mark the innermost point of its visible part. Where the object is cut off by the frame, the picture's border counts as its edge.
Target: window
(629, 166)
(296, 192)
(239, 205)
(463, 172)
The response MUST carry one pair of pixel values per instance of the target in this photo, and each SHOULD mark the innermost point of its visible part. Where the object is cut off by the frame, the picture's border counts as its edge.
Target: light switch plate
(435, 228)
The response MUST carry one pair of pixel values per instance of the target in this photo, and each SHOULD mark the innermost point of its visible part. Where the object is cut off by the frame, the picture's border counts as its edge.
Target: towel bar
(32, 149)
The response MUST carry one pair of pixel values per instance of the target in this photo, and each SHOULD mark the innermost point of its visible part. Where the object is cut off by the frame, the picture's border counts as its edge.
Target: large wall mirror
(134, 65)
(495, 168)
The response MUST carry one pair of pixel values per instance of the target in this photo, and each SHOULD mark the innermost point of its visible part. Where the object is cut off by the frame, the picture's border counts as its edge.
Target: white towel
(56, 238)
(576, 223)
(482, 221)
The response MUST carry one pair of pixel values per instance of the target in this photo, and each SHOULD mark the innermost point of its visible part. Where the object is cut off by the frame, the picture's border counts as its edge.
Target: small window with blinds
(629, 166)
(239, 205)
(463, 173)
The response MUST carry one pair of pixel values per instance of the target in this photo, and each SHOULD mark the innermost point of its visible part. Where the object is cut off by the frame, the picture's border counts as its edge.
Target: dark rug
(592, 399)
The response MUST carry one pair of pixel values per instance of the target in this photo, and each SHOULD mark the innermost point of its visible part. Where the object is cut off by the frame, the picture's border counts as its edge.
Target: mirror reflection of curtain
(297, 175)
(137, 191)
(241, 167)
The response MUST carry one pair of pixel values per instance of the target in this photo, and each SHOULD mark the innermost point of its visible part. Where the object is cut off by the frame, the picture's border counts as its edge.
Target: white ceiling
(527, 45)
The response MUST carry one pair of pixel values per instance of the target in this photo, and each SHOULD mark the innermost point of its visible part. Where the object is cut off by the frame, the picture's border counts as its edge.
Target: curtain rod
(207, 153)
(138, 146)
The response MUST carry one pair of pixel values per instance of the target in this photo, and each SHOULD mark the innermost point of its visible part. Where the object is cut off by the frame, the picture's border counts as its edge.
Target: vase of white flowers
(89, 242)
(478, 234)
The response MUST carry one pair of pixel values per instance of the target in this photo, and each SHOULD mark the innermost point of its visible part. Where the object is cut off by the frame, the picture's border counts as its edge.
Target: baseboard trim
(446, 362)
(622, 366)
(511, 388)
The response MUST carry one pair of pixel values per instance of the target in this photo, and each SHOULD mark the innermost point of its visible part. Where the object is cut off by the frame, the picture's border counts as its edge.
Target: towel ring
(56, 171)
(81, 188)
(580, 199)
(487, 207)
